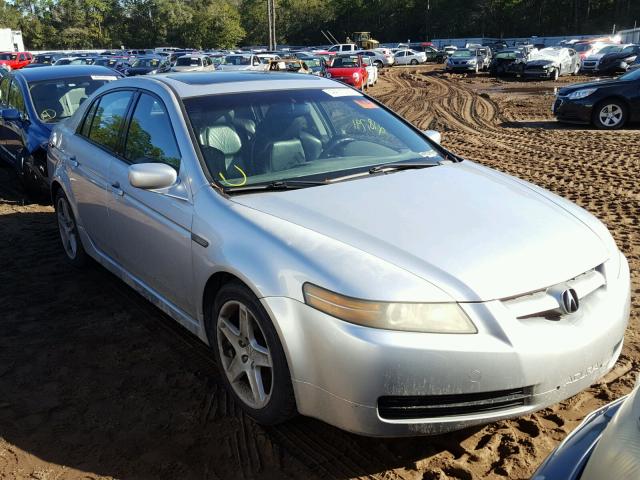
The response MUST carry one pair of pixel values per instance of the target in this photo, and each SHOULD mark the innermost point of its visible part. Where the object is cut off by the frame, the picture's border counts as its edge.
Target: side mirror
(11, 115)
(433, 135)
(150, 176)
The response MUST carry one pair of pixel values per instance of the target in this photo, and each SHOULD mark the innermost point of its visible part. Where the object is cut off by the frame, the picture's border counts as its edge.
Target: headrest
(222, 138)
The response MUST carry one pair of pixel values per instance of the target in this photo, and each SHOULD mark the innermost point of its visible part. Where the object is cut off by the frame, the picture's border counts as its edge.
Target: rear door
(90, 154)
(4, 103)
(152, 228)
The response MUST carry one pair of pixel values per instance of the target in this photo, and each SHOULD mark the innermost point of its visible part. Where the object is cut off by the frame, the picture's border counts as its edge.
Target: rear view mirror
(152, 175)
(11, 115)
(433, 135)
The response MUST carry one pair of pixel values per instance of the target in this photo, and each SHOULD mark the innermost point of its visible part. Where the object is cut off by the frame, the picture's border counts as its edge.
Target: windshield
(345, 62)
(189, 62)
(610, 49)
(264, 137)
(312, 63)
(146, 63)
(237, 60)
(462, 53)
(55, 100)
(582, 47)
(507, 55)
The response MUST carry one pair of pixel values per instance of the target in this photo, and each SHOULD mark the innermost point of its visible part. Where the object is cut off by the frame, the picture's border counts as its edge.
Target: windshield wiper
(402, 166)
(279, 185)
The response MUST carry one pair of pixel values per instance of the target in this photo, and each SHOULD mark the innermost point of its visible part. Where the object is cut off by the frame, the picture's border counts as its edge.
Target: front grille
(545, 303)
(432, 406)
(589, 64)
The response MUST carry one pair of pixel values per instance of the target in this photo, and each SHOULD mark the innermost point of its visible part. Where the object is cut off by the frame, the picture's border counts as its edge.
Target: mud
(96, 383)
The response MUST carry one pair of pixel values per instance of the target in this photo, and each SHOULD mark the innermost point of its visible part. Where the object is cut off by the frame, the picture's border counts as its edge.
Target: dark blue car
(32, 101)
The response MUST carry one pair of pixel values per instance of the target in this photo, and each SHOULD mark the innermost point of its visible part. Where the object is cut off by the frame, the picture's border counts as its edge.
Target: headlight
(578, 94)
(409, 317)
(473, 60)
(152, 72)
(356, 75)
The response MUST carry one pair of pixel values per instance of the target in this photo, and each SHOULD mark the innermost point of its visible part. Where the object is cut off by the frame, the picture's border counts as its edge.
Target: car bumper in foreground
(569, 458)
(390, 383)
(461, 68)
(544, 74)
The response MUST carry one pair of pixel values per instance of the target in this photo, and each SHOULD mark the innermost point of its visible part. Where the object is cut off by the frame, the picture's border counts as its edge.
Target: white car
(410, 57)
(242, 62)
(379, 58)
(372, 71)
(193, 63)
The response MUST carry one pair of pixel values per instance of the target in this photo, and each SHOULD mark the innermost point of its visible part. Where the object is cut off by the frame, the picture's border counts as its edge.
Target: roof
(63, 71)
(207, 83)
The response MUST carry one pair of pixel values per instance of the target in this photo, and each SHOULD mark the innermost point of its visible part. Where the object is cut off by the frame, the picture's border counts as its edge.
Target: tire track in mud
(596, 169)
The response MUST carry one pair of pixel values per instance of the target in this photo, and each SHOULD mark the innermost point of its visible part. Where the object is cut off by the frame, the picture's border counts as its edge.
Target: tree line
(56, 24)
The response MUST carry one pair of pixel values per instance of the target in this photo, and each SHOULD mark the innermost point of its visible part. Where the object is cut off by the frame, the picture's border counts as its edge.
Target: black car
(618, 61)
(607, 104)
(148, 65)
(510, 61)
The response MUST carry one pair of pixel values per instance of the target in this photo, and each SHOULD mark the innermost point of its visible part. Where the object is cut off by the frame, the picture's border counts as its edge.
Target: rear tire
(249, 355)
(68, 229)
(609, 115)
(414, 62)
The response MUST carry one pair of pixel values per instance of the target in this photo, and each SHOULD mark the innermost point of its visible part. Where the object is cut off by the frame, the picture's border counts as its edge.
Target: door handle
(115, 188)
(73, 162)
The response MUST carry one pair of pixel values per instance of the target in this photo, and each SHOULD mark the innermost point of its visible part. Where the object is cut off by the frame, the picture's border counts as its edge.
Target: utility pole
(271, 14)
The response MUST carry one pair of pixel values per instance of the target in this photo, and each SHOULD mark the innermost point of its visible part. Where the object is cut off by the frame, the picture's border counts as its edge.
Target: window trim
(127, 124)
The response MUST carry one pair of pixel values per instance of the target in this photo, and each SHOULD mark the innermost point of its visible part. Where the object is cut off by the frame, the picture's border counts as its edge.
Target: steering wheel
(335, 144)
(48, 114)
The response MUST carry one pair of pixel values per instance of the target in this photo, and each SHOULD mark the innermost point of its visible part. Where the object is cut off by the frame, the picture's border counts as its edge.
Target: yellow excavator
(364, 40)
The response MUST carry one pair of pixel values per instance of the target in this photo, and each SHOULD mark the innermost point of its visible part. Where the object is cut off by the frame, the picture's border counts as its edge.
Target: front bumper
(461, 68)
(537, 73)
(575, 111)
(343, 373)
(348, 81)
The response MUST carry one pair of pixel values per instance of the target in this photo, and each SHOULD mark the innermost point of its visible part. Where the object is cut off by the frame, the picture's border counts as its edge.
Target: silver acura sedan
(339, 262)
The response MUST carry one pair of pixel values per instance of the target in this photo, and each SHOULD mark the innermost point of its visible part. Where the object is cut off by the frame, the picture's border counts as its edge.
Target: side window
(85, 128)
(22, 57)
(150, 137)
(4, 90)
(16, 100)
(109, 117)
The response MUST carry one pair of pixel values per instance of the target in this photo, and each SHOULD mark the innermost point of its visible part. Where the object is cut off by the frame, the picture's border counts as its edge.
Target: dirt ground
(96, 383)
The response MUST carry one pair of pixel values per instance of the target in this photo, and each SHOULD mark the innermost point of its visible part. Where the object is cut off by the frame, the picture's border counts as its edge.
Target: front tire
(68, 228)
(609, 115)
(555, 75)
(250, 356)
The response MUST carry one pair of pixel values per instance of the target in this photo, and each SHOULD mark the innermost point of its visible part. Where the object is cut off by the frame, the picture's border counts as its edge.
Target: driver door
(15, 131)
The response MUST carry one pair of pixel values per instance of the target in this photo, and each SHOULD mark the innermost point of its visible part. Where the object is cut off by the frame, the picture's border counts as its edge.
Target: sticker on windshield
(342, 92)
(103, 77)
(364, 103)
(428, 154)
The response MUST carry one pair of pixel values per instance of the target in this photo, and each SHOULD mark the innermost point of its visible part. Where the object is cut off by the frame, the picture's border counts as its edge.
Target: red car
(349, 69)
(15, 60)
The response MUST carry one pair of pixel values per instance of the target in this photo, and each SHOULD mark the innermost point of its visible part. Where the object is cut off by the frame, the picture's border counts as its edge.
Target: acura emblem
(570, 301)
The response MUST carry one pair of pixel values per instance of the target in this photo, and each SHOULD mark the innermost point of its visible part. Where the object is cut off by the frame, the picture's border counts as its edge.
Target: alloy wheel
(611, 115)
(245, 355)
(67, 227)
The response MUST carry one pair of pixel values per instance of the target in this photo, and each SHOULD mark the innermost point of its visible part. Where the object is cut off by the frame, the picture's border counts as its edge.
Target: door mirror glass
(152, 175)
(11, 115)
(433, 135)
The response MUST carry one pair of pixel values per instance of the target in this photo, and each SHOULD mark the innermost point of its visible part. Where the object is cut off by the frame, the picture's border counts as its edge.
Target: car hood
(475, 233)
(343, 72)
(187, 69)
(595, 83)
(595, 57)
(541, 62)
